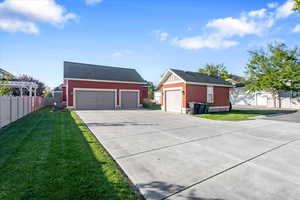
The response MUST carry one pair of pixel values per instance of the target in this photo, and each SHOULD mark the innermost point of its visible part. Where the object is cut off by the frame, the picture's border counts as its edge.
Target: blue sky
(151, 36)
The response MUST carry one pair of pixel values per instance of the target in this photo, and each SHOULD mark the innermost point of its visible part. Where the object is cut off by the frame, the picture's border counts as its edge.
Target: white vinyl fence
(13, 108)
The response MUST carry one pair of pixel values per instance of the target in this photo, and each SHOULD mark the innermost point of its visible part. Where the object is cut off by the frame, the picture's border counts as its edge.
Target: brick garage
(95, 87)
(178, 88)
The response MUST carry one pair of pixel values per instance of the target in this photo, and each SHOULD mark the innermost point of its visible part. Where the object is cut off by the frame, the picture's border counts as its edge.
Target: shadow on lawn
(159, 190)
(90, 172)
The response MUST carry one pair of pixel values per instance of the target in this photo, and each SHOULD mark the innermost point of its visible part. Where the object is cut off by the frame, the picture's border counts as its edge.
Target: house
(178, 88)
(239, 96)
(98, 87)
(5, 75)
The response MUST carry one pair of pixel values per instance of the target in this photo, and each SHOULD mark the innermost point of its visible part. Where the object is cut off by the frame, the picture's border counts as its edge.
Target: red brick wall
(199, 93)
(64, 96)
(196, 93)
(104, 85)
(221, 96)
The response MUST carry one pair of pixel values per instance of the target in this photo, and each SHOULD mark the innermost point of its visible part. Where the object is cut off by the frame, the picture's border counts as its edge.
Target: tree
(297, 5)
(151, 89)
(215, 70)
(274, 69)
(4, 89)
(27, 78)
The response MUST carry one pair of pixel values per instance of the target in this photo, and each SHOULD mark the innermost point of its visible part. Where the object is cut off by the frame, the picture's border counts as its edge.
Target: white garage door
(94, 100)
(173, 100)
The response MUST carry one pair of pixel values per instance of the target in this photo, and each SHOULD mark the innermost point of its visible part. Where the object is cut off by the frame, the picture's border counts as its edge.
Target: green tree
(215, 70)
(297, 5)
(274, 69)
(151, 89)
(4, 89)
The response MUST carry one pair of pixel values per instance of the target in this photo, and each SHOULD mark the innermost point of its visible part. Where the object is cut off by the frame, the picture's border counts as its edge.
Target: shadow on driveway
(158, 190)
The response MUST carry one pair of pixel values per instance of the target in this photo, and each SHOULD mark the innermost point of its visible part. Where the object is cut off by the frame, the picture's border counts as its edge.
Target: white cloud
(219, 33)
(296, 29)
(198, 42)
(92, 2)
(258, 13)
(11, 25)
(272, 5)
(285, 10)
(234, 26)
(161, 35)
(47, 11)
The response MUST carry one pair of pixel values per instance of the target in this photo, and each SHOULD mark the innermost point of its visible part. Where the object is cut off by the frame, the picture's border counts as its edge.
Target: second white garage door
(173, 100)
(95, 100)
(129, 99)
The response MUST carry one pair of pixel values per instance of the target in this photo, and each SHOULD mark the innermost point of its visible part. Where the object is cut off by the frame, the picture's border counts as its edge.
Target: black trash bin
(201, 108)
(193, 108)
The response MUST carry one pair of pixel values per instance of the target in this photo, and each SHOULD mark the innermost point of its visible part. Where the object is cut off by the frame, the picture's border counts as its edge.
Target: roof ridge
(99, 65)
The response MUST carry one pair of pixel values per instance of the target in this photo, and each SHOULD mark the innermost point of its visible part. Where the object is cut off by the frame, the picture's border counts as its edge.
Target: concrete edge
(135, 189)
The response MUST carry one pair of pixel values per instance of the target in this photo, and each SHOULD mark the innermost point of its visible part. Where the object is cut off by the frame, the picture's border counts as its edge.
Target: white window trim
(92, 89)
(108, 81)
(213, 93)
(170, 89)
(128, 90)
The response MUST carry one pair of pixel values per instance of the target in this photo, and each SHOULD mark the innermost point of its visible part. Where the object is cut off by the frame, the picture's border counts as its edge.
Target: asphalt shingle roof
(200, 77)
(100, 72)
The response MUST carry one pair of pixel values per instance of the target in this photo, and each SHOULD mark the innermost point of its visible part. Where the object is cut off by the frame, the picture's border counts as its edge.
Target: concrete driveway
(290, 117)
(173, 156)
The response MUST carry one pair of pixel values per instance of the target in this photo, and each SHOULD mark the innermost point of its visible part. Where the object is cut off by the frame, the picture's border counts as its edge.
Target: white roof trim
(209, 84)
(163, 78)
(109, 81)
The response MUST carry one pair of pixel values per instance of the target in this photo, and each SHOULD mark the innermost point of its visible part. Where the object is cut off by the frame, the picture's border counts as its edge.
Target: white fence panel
(13, 108)
(26, 106)
(4, 111)
(21, 107)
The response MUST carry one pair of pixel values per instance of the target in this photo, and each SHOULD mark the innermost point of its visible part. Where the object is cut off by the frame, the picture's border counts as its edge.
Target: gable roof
(102, 73)
(4, 74)
(196, 77)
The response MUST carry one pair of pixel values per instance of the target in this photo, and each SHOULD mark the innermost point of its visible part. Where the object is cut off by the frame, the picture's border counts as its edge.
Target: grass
(152, 107)
(53, 155)
(235, 115)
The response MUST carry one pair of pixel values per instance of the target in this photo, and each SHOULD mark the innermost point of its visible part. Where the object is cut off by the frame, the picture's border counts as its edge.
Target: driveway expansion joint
(230, 168)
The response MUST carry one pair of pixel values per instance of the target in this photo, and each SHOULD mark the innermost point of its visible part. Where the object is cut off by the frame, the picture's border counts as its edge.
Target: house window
(210, 94)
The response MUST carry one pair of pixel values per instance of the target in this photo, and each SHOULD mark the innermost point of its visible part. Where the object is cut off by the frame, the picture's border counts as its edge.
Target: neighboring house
(178, 88)
(5, 75)
(157, 97)
(99, 87)
(241, 97)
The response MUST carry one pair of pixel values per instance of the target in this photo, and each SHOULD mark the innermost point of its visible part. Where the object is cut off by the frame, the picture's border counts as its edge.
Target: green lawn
(152, 107)
(52, 155)
(235, 115)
